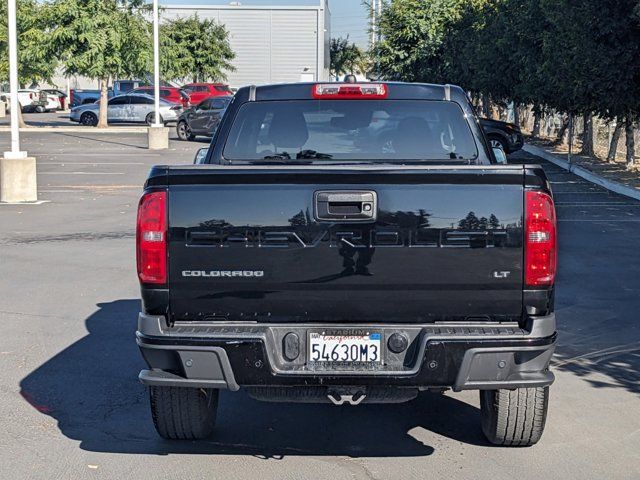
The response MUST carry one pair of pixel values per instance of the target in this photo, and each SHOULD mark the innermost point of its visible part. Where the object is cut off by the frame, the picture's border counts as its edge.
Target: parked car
(59, 95)
(53, 102)
(30, 100)
(302, 267)
(202, 119)
(170, 94)
(127, 109)
(503, 134)
(199, 91)
(84, 96)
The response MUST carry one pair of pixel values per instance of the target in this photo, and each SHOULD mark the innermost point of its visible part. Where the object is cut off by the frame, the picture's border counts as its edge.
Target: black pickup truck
(348, 243)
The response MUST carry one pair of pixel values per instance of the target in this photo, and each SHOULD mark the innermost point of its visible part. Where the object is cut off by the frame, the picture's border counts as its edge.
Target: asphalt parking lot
(71, 405)
(33, 119)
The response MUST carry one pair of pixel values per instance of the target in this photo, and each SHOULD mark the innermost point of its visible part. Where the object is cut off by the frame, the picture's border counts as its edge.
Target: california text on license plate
(325, 347)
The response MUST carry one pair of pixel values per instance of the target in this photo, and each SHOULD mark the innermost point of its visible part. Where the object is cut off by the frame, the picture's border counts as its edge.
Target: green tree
(346, 57)
(34, 62)
(195, 49)
(414, 38)
(503, 51)
(579, 58)
(470, 222)
(102, 40)
(591, 60)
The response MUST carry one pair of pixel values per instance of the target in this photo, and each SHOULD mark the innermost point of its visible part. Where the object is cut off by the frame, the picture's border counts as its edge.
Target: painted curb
(583, 172)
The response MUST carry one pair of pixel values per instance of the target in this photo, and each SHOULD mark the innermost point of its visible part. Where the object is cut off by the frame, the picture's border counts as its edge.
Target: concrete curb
(72, 129)
(582, 172)
(37, 202)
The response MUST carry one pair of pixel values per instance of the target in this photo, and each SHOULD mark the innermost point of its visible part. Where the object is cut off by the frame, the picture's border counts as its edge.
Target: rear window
(384, 130)
(123, 100)
(151, 91)
(220, 103)
(126, 86)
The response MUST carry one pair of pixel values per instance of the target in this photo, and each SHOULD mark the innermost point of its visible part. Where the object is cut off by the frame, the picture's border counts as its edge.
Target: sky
(348, 17)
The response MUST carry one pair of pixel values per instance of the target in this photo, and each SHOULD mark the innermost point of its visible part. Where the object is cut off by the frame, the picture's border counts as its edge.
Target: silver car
(130, 108)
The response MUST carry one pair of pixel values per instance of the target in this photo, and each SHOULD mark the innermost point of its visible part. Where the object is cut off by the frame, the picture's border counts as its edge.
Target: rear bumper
(171, 116)
(462, 357)
(33, 105)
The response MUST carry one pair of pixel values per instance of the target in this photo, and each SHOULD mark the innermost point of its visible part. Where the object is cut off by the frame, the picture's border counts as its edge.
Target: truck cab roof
(396, 91)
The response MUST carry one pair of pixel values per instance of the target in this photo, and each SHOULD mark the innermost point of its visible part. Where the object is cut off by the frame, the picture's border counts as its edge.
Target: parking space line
(604, 220)
(578, 192)
(573, 182)
(107, 154)
(58, 191)
(80, 173)
(596, 204)
(92, 163)
(112, 187)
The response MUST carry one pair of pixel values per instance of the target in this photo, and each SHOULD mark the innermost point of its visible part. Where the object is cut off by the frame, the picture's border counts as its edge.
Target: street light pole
(18, 179)
(13, 83)
(156, 65)
(158, 134)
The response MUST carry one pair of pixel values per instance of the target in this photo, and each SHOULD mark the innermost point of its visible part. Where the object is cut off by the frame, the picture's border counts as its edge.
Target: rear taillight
(540, 249)
(338, 91)
(151, 238)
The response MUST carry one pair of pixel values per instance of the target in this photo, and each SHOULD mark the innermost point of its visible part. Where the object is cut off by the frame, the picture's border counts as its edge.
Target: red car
(170, 94)
(199, 91)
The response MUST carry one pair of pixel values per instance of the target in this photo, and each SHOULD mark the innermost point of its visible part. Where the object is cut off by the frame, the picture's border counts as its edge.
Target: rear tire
(151, 117)
(88, 118)
(514, 417)
(184, 413)
(184, 132)
(40, 109)
(497, 142)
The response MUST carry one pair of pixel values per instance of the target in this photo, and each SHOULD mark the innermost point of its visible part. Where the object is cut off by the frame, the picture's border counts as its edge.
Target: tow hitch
(338, 398)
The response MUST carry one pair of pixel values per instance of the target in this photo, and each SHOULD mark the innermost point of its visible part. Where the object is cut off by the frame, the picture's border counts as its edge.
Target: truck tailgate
(245, 243)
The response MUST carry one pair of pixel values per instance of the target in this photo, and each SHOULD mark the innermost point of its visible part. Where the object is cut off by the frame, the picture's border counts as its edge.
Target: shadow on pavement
(100, 139)
(91, 390)
(620, 366)
(598, 286)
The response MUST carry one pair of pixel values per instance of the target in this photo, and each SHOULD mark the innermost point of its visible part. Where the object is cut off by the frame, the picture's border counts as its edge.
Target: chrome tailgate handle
(346, 205)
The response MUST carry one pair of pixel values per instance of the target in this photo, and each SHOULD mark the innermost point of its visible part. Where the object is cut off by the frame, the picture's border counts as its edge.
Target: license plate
(329, 347)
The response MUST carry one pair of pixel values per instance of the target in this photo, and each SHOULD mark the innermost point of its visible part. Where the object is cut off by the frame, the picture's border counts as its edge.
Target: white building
(272, 43)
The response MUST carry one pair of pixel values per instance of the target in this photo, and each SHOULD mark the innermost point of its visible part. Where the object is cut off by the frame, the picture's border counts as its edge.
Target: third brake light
(337, 91)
